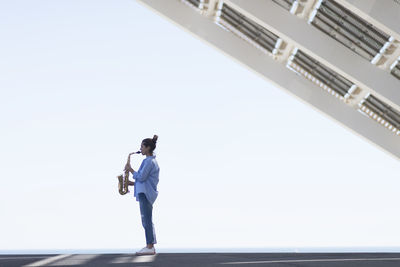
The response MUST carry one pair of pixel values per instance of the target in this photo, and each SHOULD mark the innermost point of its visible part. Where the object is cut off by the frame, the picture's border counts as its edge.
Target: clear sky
(242, 164)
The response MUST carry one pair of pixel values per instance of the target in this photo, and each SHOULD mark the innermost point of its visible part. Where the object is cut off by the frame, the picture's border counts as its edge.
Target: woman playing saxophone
(145, 191)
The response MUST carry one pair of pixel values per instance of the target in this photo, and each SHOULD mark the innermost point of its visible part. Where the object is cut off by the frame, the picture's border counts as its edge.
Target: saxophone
(123, 180)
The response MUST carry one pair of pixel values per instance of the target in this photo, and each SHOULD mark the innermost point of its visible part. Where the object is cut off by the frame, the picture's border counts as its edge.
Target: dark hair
(151, 143)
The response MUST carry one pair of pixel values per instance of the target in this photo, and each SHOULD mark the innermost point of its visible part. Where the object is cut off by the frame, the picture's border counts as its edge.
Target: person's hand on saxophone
(130, 169)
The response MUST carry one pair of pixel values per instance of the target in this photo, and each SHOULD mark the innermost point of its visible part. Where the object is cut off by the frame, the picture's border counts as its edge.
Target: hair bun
(155, 137)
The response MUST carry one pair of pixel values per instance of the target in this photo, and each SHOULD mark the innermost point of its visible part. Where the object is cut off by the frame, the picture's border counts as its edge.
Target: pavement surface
(207, 259)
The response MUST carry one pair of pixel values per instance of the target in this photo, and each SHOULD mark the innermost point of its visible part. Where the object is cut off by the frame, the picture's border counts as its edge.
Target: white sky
(243, 164)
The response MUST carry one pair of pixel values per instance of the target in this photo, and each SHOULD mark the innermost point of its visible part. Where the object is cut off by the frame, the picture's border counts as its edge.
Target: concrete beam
(240, 51)
(323, 48)
(385, 14)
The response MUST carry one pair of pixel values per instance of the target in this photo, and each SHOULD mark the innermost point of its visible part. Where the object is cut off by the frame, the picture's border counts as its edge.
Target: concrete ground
(207, 259)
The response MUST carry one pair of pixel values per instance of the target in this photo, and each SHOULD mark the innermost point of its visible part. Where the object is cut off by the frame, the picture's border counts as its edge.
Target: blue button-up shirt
(146, 179)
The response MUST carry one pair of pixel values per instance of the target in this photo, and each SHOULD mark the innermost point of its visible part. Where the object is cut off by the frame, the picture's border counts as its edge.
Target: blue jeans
(146, 209)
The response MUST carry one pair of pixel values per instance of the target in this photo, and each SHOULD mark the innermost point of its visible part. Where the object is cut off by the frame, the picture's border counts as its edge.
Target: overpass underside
(342, 57)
